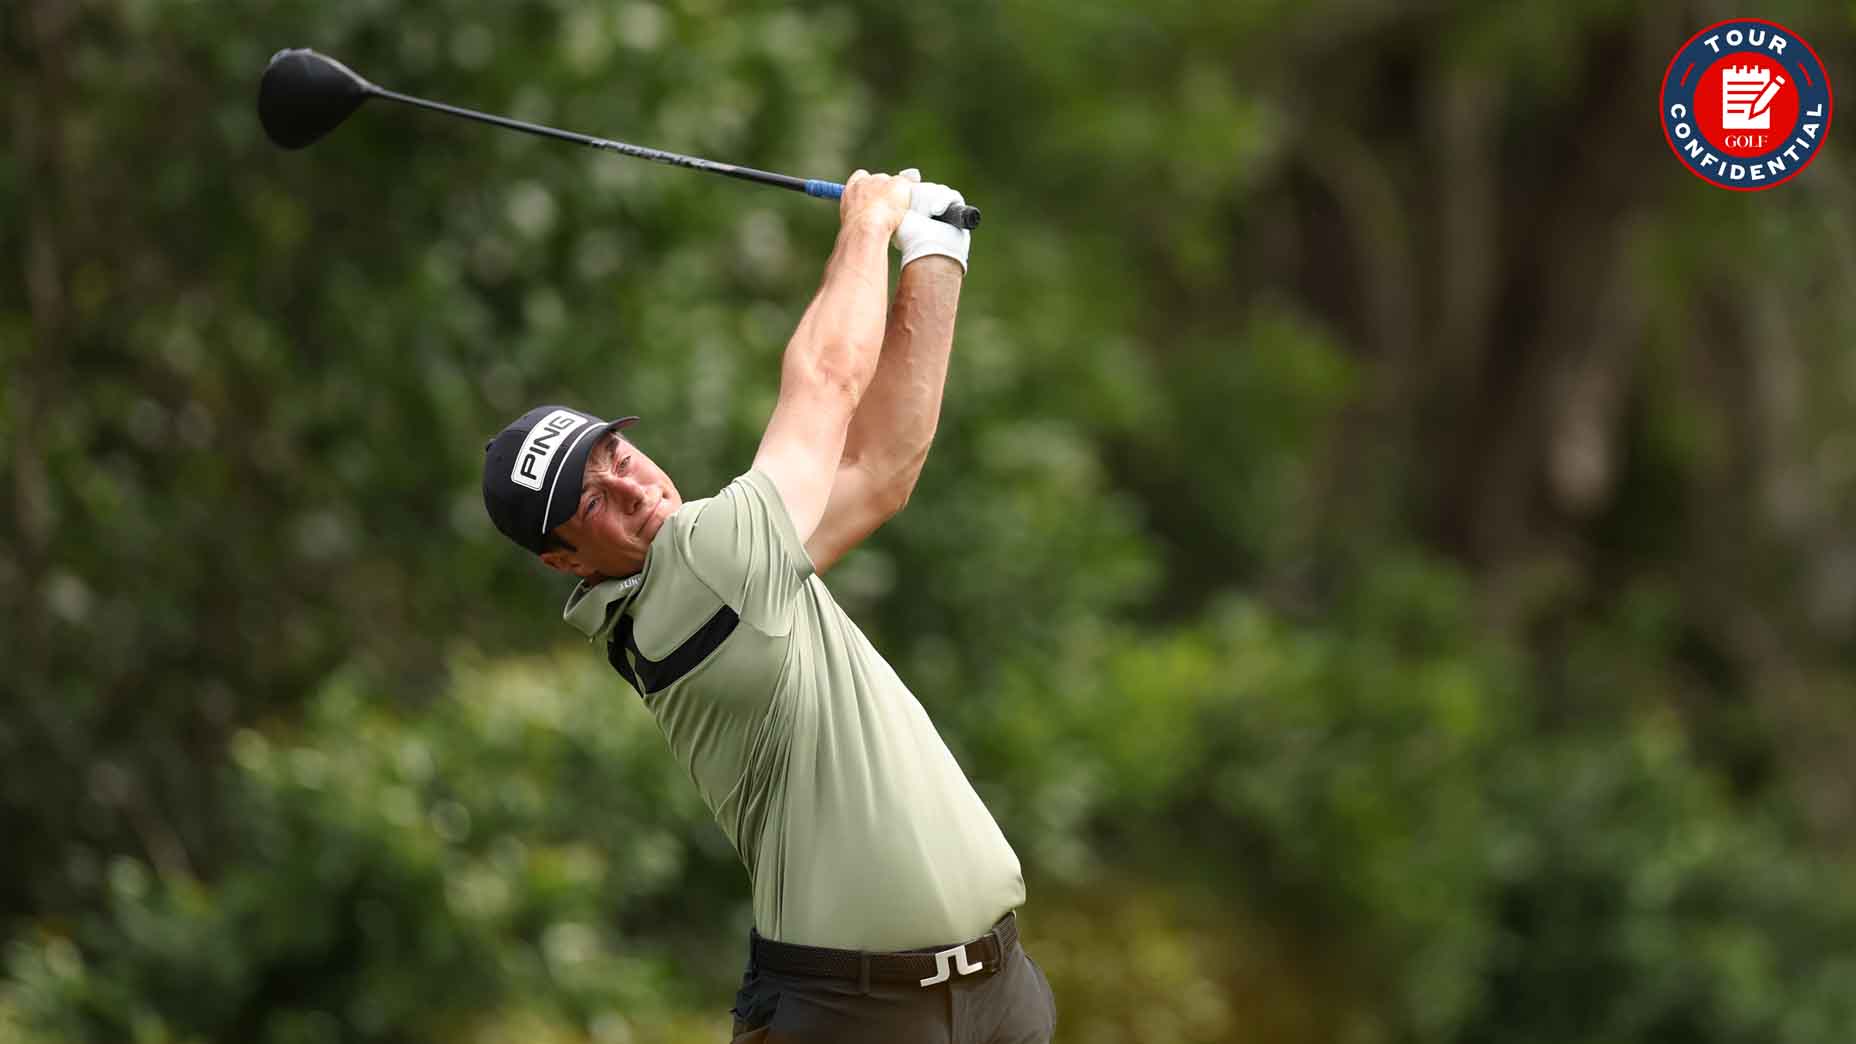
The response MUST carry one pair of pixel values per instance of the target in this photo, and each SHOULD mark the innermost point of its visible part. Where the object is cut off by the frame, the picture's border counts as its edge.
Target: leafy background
(1387, 561)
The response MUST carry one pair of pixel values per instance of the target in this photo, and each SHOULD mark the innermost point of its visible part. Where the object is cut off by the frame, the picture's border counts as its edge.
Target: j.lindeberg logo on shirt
(544, 441)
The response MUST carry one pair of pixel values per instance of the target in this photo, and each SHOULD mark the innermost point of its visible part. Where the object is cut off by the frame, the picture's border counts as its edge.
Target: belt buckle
(951, 961)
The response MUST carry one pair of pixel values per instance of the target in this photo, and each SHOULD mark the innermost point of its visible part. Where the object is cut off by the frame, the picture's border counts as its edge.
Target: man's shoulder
(674, 597)
(729, 499)
(674, 550)
(748, 509)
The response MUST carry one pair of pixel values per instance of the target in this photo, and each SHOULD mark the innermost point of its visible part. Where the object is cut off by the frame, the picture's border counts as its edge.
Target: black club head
(305, 95)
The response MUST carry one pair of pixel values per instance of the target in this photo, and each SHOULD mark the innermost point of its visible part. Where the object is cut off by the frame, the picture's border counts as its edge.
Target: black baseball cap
(532, 470)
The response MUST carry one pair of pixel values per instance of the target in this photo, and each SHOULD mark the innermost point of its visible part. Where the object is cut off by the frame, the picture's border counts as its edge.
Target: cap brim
(564, 497)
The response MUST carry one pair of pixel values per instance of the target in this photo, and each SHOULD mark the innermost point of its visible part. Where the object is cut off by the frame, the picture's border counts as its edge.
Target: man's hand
(882, 199)
(919, 234)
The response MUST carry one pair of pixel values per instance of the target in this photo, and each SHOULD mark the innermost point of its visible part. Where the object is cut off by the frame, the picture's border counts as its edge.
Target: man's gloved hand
(920, 234)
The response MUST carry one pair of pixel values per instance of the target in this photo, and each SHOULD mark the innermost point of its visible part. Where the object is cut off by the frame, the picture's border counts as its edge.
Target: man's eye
(624, 463)
(592, 503)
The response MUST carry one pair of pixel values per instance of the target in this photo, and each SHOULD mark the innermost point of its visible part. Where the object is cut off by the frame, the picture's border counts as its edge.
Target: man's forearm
(895, 421)
(839, 336)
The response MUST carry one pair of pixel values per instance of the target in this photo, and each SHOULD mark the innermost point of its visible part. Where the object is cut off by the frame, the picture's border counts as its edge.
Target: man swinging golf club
(883, 891)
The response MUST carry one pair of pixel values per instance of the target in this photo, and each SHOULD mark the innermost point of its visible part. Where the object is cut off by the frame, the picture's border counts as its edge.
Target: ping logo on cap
(544, 440)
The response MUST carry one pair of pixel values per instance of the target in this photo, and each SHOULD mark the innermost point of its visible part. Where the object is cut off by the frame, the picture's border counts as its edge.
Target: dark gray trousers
(1014, 1006)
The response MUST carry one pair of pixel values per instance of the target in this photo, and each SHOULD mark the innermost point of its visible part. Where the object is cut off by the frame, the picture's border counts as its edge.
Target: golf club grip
(958, 215)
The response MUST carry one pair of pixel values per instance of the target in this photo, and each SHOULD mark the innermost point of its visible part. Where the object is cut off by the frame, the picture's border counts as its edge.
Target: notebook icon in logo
(1746, 97)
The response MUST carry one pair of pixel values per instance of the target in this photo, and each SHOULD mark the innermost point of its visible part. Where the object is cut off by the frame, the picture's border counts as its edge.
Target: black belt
(926, 967)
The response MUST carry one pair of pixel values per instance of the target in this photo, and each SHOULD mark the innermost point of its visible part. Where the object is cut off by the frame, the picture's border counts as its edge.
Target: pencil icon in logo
(1763, 104)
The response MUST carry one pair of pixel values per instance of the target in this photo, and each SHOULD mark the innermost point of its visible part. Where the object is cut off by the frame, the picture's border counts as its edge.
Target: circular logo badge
(1746, 104)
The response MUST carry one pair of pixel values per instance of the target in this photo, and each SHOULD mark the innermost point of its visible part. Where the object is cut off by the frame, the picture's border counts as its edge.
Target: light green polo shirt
(858, 829)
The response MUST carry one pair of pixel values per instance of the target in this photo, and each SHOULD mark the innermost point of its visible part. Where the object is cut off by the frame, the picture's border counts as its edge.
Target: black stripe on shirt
(649, 676)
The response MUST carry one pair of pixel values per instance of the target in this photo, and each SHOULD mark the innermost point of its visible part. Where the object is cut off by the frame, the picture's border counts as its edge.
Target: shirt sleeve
(744, 548)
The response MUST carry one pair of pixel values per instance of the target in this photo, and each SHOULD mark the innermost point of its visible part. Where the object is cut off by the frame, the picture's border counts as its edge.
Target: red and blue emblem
(1746, 104)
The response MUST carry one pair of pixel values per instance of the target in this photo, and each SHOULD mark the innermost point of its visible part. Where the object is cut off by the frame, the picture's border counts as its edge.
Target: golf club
(305, 95)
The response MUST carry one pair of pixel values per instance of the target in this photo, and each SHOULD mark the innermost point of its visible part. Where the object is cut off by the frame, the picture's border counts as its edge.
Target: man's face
(624, 500)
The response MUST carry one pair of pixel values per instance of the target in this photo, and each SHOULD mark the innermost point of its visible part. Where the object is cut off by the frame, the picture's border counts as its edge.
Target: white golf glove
(920, 234)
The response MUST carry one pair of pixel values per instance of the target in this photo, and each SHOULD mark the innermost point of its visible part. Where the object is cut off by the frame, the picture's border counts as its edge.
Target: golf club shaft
(957, 215)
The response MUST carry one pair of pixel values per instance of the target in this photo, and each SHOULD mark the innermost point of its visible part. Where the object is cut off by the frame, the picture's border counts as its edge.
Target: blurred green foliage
(1386, 560)
(415, 892)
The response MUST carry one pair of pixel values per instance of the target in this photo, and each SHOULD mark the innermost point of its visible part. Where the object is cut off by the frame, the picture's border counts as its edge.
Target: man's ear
(566, 562)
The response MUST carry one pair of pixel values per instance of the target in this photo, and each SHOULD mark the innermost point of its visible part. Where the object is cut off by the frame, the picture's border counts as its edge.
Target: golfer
(883, 890)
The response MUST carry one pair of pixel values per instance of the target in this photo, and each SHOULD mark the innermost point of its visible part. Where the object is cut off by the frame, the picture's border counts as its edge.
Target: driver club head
(305, 95)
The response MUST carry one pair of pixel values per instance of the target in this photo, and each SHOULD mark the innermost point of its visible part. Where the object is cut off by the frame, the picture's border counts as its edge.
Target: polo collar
(592, 610)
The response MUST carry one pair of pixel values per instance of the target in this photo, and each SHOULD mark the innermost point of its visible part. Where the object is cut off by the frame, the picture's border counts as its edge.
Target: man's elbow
(829, 380)
(894, 493)
(891, 501)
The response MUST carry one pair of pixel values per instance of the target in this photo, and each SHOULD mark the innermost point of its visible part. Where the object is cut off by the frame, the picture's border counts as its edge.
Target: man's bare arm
(829, 361)
(889, 435)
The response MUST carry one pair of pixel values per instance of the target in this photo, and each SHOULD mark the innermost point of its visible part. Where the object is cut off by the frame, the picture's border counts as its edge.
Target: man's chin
(652, 526)
(659, 515)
